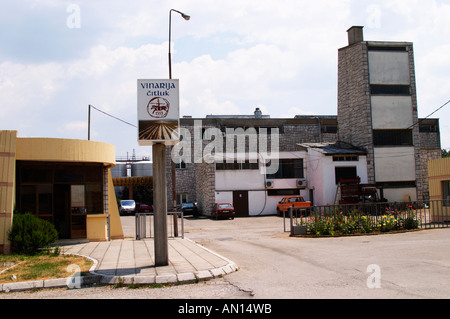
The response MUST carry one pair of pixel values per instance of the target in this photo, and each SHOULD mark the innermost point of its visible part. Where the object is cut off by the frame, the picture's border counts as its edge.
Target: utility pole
(160, 209)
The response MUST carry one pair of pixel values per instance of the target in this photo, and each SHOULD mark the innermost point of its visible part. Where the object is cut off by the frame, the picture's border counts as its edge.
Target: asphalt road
(272, 265)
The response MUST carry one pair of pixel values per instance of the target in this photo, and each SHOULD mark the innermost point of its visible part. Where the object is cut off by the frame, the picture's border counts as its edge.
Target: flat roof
(337, 148)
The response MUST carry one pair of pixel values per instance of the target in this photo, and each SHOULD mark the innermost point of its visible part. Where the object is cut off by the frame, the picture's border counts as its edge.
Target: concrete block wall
(354, 110)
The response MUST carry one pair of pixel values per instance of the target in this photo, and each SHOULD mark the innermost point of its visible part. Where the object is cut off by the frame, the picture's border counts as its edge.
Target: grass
(39, 267)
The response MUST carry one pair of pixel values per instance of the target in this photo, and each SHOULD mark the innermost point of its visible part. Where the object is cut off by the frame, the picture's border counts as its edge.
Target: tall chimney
(258, 113)
(355, 35)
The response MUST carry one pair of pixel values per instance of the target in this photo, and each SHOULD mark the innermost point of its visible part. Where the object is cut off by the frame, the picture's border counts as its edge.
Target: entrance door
(240, 203)
(61, 206)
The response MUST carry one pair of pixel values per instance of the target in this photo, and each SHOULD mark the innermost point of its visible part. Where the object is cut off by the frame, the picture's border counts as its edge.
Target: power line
(112, 116)
(429, 114)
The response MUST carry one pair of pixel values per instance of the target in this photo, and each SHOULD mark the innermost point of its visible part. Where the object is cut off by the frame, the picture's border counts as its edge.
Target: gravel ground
(211, 289)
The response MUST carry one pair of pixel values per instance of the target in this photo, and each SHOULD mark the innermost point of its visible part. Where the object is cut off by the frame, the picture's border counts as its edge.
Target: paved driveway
(274, 265)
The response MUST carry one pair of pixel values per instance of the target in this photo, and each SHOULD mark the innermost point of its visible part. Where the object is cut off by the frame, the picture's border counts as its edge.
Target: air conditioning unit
(301, 182)
(269, 184)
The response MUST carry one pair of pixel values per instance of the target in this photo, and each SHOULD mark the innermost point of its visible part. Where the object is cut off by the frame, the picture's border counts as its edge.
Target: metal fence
(427, 214)
(144, 223)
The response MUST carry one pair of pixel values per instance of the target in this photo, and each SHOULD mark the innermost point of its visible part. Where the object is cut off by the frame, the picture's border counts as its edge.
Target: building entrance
(61, 193)
(240, 203)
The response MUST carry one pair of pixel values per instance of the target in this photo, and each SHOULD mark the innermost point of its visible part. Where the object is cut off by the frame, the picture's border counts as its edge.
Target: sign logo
(158, 107)
(158, 111)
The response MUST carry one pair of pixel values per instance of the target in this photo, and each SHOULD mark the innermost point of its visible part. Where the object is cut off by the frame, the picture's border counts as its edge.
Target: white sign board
(158, 111)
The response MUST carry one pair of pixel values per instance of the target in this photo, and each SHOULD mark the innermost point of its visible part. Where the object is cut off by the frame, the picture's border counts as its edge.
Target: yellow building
(67, 182)
(439, 181)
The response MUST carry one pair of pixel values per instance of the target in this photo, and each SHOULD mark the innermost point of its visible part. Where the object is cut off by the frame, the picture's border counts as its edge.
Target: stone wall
(354, 112)
(205, 187)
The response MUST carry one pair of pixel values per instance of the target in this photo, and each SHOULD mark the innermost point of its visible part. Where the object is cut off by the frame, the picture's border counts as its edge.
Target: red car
(145, 208)
(223, 210)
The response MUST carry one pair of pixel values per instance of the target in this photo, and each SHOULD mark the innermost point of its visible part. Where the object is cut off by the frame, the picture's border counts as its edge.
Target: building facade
(377, 118)
(66, 182)
(377, 111)
(311, 161)
(230, 156)
(439, 177)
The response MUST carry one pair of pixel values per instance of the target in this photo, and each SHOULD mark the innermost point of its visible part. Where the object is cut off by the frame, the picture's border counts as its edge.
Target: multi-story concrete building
(377, 111)
(376, 135)
(238, 168)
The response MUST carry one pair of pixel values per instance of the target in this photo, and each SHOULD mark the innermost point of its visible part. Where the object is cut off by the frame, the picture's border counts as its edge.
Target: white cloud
(27, 88)
(74, 127)
(280, 56)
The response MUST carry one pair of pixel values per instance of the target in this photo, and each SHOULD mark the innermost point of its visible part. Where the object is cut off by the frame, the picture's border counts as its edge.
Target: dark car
(189, 209)
(223, 210)
(145, 208)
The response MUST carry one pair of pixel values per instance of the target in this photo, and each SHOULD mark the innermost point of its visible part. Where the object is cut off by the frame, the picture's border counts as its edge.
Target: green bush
(30, 233)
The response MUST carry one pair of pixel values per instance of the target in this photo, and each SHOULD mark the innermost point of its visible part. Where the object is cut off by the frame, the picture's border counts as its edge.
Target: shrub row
(357, 222)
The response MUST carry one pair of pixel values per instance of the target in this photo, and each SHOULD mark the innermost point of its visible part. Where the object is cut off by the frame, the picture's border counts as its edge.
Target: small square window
(180, 165)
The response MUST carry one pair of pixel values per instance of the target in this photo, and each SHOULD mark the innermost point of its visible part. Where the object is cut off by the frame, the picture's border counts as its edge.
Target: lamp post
(159, 185)
(186, 17)
(173, 175)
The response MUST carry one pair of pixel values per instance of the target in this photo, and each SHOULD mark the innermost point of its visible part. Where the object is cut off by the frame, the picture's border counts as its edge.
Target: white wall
(400, 194)
(389, 67)
(322, 175)
(239, 180)
(259, 203)
(394, 164)
(314, 175)
(399, 109)
(253, 181)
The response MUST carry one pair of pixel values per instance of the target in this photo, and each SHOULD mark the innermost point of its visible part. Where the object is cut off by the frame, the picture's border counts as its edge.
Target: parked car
(189, 209)
(292, 201)
(127, 206)
(145, 208)
(223, 210)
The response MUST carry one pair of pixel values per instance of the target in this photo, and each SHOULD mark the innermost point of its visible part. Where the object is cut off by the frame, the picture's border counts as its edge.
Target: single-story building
(439, 181)
(65, 181)
(328, 163)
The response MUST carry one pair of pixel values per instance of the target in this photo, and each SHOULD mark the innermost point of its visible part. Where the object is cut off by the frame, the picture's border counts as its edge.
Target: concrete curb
(73, 282)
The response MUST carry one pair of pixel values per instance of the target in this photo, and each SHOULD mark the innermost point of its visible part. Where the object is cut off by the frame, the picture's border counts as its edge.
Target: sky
(58, 57)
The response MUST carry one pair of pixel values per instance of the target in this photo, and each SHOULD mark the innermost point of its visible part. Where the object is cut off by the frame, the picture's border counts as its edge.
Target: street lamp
(186, 17)
(174, 191)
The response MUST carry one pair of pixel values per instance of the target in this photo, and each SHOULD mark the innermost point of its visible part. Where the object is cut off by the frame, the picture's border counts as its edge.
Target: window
(390, 89)
(283, 192)
(392, 137)
(446, 192)
(329, 129)
(182, 198)
(180, 165)
(345, 158)
(427, 128)
(236, 166)
(288, 168)
(402, 184)
(386, 48)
